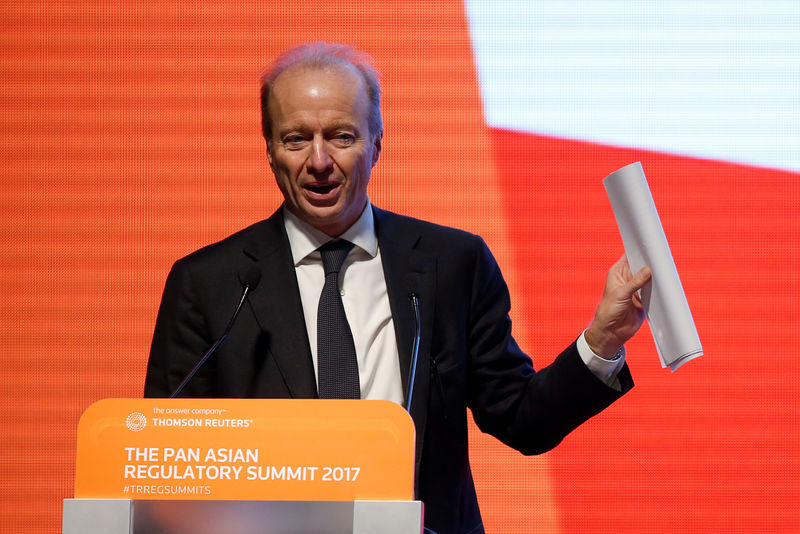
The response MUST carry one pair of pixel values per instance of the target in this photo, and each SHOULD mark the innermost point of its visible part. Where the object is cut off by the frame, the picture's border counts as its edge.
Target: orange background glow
(130, 136)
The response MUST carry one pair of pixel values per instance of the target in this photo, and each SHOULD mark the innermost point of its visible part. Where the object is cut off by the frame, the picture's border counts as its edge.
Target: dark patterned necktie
(337, 366)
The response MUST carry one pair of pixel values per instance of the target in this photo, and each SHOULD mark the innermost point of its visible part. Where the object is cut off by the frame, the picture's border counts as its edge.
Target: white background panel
(714, 79)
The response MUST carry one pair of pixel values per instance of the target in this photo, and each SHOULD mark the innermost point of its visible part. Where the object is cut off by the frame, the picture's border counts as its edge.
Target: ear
(376, 148)
(269, 155)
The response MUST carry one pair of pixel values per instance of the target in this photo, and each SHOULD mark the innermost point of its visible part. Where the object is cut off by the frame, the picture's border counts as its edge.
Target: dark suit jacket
(467, 356)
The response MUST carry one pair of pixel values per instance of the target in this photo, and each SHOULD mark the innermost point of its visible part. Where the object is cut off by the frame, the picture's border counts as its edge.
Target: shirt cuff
(605, 370)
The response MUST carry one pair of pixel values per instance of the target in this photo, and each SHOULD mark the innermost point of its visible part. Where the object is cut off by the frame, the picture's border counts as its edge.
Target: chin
(322, 218)
(327, 215)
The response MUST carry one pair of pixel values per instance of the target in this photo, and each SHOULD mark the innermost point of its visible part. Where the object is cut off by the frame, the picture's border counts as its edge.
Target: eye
(294, 141)
(344, 139)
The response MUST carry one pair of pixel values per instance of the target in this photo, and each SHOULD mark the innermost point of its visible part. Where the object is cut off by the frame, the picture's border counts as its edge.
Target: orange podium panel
(245, 449)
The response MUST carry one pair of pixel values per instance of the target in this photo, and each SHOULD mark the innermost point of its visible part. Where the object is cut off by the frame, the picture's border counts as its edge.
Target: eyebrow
(342, 125)
(333, 126)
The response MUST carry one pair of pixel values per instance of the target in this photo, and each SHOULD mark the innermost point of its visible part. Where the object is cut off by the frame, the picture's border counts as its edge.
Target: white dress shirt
(365, 299)
(366, 304)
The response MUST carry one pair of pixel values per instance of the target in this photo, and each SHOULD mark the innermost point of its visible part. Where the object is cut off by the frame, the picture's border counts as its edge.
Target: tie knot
(333, 255)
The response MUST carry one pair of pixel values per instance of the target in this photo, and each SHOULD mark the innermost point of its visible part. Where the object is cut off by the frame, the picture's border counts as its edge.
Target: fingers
(627, 283)
(620, 312)
(621, 266)
(636, 283)
(641, 278)
(621, 272)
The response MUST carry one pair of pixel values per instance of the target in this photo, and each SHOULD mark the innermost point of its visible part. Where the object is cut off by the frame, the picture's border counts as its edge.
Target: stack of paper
(663, 298)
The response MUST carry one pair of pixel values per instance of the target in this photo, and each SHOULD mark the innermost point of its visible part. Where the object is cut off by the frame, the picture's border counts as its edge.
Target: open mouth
(322, 189)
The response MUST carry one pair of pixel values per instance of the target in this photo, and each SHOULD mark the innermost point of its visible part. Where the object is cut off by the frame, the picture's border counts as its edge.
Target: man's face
(320, 150)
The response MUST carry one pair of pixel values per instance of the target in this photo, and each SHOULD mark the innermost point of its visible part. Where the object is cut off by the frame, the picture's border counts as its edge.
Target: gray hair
(322, 55)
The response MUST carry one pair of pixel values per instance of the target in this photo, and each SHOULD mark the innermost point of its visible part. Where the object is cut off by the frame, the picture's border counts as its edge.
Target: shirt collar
(304, 239)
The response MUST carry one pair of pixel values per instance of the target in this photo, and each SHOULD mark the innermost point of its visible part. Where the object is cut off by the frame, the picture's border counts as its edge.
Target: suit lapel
(409, 270)
(278, 309)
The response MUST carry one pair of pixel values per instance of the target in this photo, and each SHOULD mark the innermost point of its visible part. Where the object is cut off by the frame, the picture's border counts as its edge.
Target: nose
(319, 161)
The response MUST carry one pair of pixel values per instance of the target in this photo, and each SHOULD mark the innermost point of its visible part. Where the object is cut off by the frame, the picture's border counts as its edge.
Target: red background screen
(130, 136)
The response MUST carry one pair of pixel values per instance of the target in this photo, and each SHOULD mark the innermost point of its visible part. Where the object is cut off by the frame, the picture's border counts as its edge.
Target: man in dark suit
(321, 119)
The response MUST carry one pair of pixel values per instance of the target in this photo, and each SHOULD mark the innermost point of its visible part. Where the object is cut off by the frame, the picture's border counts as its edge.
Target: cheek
(285, 183)
(285, 169)
(361, 167)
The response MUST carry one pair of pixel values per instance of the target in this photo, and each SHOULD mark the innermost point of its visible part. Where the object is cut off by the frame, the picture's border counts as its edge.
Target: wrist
(601, 343)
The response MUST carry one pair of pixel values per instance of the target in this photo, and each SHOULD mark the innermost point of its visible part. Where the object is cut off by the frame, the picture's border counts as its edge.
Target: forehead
(302, 90)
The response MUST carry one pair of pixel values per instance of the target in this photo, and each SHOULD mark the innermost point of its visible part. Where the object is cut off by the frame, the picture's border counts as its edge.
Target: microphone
(250, 282)
(412, 371)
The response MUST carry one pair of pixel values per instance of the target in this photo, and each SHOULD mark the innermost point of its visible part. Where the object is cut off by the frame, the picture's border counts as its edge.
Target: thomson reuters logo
(136, 422)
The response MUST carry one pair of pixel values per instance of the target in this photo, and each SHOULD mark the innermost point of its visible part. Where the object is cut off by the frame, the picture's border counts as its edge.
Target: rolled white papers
(663, 298)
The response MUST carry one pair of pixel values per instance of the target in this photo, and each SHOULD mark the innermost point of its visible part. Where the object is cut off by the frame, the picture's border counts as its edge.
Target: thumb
(636, 283)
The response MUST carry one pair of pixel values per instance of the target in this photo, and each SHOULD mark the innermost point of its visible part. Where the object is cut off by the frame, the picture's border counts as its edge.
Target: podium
(244, 466)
